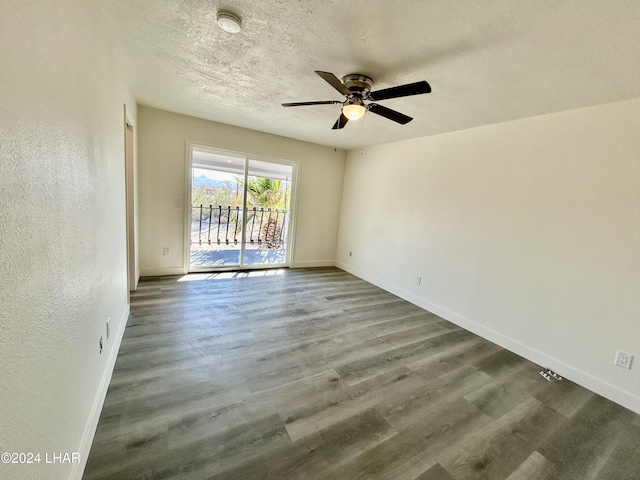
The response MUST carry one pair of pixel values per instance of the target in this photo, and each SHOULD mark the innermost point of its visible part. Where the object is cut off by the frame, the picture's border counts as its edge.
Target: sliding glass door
(240, 211)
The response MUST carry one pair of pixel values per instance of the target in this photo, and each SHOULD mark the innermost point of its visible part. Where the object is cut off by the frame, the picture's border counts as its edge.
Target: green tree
(271, 195)
(205, 195)
(200, 196)
(266, 193)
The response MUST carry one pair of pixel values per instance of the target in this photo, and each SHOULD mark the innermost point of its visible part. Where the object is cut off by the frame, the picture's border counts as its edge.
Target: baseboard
(595, 384)
(313, 263)
(90, 430)
(160, 272)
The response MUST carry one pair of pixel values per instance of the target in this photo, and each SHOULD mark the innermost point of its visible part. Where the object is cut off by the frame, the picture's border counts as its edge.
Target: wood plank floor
(316, 374)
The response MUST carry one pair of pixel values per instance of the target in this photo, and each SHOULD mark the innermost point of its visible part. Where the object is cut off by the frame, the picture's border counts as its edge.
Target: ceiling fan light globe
(353, 112)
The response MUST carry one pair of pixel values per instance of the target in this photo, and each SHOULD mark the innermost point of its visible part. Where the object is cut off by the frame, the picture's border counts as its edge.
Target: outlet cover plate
(623, 359)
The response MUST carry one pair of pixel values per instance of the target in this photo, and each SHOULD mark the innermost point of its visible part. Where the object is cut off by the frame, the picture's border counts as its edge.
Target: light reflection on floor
(194, 277)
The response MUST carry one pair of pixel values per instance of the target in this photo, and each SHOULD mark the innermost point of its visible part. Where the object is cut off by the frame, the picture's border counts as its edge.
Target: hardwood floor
(316, 374)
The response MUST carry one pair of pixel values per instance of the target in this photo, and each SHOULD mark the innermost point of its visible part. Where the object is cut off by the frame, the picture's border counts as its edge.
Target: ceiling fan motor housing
(358, 84)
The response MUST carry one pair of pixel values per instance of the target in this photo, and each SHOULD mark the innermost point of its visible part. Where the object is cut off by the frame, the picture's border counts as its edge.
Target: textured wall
(162, 144)
(526, 232)
(62, 229)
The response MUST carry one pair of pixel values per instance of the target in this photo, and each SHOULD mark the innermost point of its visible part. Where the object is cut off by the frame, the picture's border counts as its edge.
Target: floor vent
(549, 375)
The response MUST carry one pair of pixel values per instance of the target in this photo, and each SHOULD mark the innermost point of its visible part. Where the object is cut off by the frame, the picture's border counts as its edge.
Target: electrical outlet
(100, 344)
(623, 359)
(418, 280)
(108, 325)
(166, 251)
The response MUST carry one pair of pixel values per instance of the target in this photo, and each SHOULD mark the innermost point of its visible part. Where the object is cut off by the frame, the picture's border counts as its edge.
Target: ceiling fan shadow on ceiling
(357, 88)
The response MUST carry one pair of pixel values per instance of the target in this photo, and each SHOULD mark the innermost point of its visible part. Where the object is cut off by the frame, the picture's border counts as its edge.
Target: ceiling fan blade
(388, 113)
(341, 122)
(300, 104)
(416, 88)
(335, 82)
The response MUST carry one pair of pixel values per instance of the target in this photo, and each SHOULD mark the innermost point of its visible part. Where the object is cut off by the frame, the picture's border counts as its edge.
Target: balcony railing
(265, 228)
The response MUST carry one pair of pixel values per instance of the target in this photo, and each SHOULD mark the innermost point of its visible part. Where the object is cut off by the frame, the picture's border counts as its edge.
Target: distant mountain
(210, 182)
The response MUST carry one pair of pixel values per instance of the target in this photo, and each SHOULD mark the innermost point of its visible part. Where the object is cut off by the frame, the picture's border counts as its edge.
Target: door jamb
(130, 203)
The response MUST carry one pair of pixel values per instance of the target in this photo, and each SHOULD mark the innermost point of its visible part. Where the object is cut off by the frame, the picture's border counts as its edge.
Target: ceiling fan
(357, 88)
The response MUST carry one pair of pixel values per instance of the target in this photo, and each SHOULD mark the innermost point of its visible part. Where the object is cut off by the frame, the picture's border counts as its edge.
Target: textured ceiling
(487, 61)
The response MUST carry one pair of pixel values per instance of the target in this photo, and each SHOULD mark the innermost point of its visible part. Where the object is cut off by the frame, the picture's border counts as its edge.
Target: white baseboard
(595, 384)
(313, 263)
(90, 430)
(159, 272)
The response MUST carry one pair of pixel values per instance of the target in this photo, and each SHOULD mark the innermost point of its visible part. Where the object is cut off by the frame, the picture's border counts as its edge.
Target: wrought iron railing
(265, 228)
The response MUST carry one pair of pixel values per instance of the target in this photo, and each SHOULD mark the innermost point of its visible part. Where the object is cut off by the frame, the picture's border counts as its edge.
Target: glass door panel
(267, 210)
(217, 197)
(240, 211)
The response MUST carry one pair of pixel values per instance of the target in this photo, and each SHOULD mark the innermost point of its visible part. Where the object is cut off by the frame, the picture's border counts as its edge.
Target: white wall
(526, 232)
(62, 228)
(162, 141)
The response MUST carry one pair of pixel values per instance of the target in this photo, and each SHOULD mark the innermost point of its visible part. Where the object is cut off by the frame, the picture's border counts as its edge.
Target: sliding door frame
(187, 210)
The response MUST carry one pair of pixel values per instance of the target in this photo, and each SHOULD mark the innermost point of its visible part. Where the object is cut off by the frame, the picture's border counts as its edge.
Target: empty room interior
(320, 240)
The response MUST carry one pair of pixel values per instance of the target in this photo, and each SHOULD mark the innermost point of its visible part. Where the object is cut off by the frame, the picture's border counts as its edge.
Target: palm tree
(268, 194)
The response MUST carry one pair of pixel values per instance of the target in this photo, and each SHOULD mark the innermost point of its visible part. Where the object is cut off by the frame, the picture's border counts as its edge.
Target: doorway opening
(241, 211)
